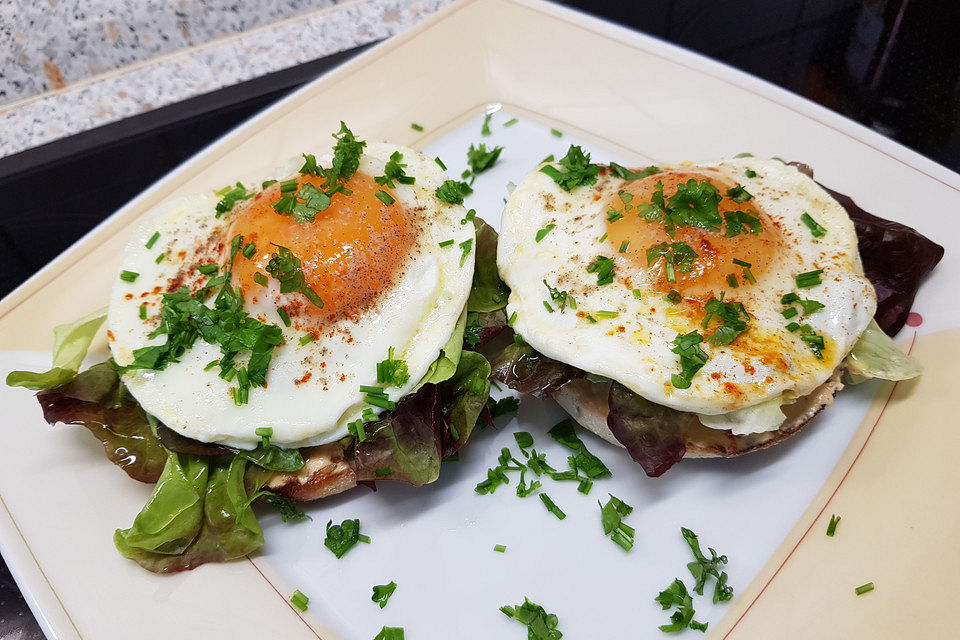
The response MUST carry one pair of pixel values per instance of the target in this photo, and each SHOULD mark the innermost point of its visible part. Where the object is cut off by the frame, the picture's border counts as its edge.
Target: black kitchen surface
(892, 65)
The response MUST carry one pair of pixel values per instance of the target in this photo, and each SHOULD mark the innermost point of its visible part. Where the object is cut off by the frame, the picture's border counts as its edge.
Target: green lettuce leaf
(466, 394)
(226, 528)
(876, 355)
(446, 365)
(172, 518)
(488, 292)
(70, 345)
(99, 401)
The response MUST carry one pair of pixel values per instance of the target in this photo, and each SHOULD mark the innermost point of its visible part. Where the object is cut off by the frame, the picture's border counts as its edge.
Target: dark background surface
(893, 65)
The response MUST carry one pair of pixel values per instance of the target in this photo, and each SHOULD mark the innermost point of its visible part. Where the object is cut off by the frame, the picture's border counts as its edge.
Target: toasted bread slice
(324, 473)
(587, 403)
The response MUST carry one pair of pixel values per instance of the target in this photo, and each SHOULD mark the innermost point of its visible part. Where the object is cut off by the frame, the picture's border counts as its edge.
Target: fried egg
(625, 329)
(390, 276)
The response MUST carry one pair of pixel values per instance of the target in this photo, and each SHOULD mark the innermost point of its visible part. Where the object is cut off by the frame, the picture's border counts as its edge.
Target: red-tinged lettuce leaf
(650, 432)
(465, 398)
(896, 258)
(524, 370)
(177, 443)
(408, 441)
(98, 400)
(227, 528)
(481, 328)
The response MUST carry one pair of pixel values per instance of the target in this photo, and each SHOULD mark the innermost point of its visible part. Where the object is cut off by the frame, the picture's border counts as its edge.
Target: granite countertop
(62, 79)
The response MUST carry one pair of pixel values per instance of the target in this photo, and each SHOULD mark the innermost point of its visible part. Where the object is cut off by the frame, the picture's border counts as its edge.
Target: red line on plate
(825, 505)
(282, 597)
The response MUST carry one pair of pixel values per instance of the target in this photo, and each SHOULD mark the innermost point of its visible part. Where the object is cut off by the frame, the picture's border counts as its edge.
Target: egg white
(416, 317)
(635, 348)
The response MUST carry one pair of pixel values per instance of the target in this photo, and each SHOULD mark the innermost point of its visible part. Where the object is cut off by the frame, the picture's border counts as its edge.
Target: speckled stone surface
(194, 71)
(45, 43)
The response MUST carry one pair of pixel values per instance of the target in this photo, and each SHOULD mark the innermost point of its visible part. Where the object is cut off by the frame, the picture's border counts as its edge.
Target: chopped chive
(153, 240)
(208, 269)
(510, 122)
(556, 133)
(832, 527)
(613, 215)
(382, 402)
(809, 279)
(373, 389)
(741, 263)
(283, 316)
(307, 338)
(415, 126)
(732, 281)
(552, 507)
(143, 311)
(299, 600)
(816, 230)
(512, 320)
(211, 365)
(440, 162)
(485, 129)
(500, 548)
(673, 296)
(383, 471)
(549, 158)
(160, 258)
(748, 275)
(864, 588)
(585, 485)
(260, 279)
(129, 276)
(446, 243)
(591, 319)
(637, 294)
(249, 250)
(264, 432)
(288, 185)
(267, 183)
(607, 314)
(469, 217)
(602, 238)
(542, 233)
(465, 174)
(789, 313)
(548, 307)
(384, 197)
(466, 246)
(623, 246)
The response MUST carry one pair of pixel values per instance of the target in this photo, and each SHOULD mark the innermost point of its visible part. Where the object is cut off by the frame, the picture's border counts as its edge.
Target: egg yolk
(715, 252)
(349, 254)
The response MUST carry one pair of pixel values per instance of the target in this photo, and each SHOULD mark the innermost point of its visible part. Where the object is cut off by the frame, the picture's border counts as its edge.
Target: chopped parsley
(285, 268)
(453, 192)
(741, 222)
(564, 433)
(816, 230)
(864, 588)
(809, 279)
(562, 298)
(471, 333)
(503, 406)
(485, 128)
(611, 517)
(808, 306)
(540, 624)
(692, 358)
(750, 173)
(500, 548)
(603, 267)
(230, 196)
(807, 334)
(393, 171)
(342, 537)
(832, 526)
(542, 233)
(466, 246)
(390, 633)
(673, 296)
(552, 507)
(733, 320)
(382, 593)
(577, 171)
(702, 568)
(738, 194)
(299, 600)
(480, 159)
(392, 372)
(676, 596)
(676, 255)
(304, 205)
(416, 127)
(693, 205)
(153, 240)
(129, 276)
(626, 174)
(613, 215)
(286, 507)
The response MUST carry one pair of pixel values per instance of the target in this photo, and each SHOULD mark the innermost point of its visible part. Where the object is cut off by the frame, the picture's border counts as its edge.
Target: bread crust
(325, 472)
(587, 403)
